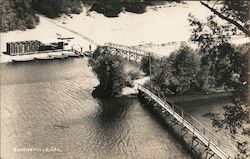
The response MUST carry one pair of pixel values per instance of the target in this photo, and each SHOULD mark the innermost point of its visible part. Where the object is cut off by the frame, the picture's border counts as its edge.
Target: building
(23, 47)
(31, 47)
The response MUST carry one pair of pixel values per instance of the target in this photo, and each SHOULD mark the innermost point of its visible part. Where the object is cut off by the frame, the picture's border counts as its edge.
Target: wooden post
(150, 65)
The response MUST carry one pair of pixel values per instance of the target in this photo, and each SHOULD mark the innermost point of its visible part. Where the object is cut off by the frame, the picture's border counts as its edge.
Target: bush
(108, 8)
(76, 10)
(134, 75)
(113, 8)
(134, 7)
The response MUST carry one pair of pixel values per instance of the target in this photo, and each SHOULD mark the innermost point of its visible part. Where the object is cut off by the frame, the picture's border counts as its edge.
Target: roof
(46, 41)
(14, 42)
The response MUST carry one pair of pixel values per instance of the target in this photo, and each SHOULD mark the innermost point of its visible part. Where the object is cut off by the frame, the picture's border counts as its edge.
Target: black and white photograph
(125, 79)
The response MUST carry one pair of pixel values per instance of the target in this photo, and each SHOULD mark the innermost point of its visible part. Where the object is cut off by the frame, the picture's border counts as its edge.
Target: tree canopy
(177, 73)
(234, 12)
(110, 72)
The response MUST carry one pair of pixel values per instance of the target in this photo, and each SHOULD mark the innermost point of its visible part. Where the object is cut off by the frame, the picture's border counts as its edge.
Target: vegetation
(145, 63)
(110, 73)
(133, 75)
(225, 63)
(108, 8)
(21, 14)
(113, 8)
(176, 74)
(17, 15)
(234, 12)
(55, 8)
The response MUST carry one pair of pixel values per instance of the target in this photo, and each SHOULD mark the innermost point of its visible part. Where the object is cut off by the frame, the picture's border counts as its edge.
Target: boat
(71, 54)
(58, 56)
(88, 53)
(22, 59)
(44, 58)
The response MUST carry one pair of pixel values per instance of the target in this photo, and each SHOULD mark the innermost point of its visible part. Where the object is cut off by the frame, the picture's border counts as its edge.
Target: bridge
(197, 131)
(127, 52)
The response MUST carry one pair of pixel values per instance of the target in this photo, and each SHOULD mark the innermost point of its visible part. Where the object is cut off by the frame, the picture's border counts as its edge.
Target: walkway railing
(210, 140)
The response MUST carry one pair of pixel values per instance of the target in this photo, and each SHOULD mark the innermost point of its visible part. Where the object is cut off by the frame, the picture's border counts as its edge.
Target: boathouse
(22, 47)
(32, 46)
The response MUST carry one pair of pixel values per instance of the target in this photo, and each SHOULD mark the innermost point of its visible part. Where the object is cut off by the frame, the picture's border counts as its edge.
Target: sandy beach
(144, 31)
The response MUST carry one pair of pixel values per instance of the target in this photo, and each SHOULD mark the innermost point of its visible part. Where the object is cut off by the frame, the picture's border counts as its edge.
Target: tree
(177, 73)
(110, 72)
(219, 59)
(225, 64)
(235, 12)
(146, 61)
(17, 14)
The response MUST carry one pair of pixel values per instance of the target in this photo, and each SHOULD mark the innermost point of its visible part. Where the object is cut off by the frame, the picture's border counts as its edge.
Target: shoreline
(4, 58)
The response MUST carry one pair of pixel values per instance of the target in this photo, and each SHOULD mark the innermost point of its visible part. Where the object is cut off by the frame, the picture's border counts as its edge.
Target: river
(48, 106)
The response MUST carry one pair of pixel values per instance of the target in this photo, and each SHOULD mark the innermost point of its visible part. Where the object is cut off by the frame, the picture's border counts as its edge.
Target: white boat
(23, 59)
(71, 54)
(45, 58)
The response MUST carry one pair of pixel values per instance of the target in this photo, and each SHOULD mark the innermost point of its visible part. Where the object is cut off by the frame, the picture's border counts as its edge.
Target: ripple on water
(50, 104)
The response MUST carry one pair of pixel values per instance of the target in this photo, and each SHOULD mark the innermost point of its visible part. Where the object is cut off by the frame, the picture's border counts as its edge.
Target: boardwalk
(214, 146)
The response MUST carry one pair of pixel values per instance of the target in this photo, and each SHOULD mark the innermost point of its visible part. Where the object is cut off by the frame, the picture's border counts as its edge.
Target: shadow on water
(113, 125)
(113, 110)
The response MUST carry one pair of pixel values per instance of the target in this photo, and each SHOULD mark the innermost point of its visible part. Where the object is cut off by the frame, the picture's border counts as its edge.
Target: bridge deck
(205, 140)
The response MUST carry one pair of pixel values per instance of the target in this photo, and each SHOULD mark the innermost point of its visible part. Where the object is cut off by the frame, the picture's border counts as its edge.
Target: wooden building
(23, 47)
(31, 47)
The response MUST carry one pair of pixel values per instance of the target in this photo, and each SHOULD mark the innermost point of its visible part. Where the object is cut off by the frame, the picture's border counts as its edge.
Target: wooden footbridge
(199, 133)
(127, 52)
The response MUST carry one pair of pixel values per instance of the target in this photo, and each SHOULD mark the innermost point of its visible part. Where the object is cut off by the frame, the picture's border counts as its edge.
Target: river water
(48, 106)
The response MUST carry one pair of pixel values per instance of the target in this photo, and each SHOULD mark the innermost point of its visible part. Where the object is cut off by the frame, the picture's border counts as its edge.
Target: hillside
(17, 15)
(21, 14)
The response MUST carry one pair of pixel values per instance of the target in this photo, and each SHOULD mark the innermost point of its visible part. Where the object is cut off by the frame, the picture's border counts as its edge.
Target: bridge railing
(198, 126)
(132, 49)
